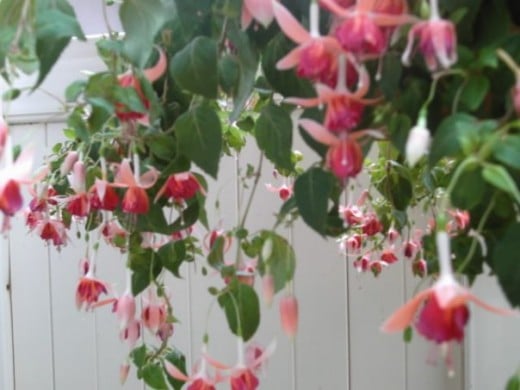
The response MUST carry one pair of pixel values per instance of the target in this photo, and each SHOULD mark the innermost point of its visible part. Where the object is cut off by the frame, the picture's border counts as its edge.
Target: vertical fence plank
(30, 290)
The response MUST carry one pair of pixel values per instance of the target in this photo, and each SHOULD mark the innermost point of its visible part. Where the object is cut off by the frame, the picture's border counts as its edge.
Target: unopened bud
(68, 162)
(289, 315)
(418, 143)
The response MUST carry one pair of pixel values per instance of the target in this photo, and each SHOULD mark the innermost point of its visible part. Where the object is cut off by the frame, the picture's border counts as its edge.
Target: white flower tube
(418, 142)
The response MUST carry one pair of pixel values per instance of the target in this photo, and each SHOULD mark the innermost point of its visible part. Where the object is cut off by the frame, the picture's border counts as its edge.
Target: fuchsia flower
(315, 57)
(53, 230)
(128, 80)
(388, 256)
(444, 311)
(88, 290)
(362, 264)
(136, 199)
(259, 10)
(437, 41)
(199, 380)
(180, 186)
(154, 313)
(364, 29)
(371, 225)
(351, 214)
(284, 191)
(79, 203)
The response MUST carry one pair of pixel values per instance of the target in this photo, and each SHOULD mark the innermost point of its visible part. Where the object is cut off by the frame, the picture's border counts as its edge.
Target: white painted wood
(493, 340)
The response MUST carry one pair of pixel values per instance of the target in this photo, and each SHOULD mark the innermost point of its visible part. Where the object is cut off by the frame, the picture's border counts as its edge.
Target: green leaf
(145, 265)
(142, 20)
(153, 376)
(216, 254)
(446, 141)
(279, 259)
(195, 67)
(513, 383)
(200, 137)
(248, 62)
(56, 24)
(11, 94)
(176, 358)
(398, 130)
(274, 135)
(408, 334)
(470, 189)
(474, 91)
(312, 190)
(74, 90)
(229, 74)
(507, 151)
(506, 264)
(241, 302)
(392, 70)
(172, 256)
(396, 185)
(138, 356)
(499, 177)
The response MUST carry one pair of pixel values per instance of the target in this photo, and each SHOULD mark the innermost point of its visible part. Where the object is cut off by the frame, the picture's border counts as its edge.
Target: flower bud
(418, 143)
(69, 162)
(123, 372)
(268, 289)
(420, 268)
(289, 315)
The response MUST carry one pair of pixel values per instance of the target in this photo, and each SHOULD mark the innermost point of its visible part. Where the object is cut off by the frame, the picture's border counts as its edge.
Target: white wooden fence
(46, 344)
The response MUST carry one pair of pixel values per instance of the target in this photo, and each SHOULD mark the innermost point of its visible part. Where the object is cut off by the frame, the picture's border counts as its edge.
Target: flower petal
(404, 316)
(289, 25)
(148, 179)
(125, 176)
(318, 132)
(261, 10)
(174, 372)
(291, 59)
(158, 69)
(487, 306)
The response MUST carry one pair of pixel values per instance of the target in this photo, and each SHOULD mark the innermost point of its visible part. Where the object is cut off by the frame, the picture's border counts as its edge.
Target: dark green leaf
(278, 258)
(248, 63)
(507, 151)
(145, 265)
(392, 69)
(74, 90)
(274, 135)
(56, 24)
(172, 256)
(499, 177)
(312, 191)
(469, 190)
(200, 137)
(195, 67)
(506, 264)
(142, 20)
(408, 334)
(241, 302)
(11, 94)
(153, 376)
(216, 255)
(138, 356)
(474, 91)
(446, 141)
(229, 74)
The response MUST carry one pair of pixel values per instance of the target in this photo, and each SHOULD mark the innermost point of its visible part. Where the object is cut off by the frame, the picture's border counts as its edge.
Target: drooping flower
(154, 313)
(131, 333)
(89, 290)
(284, 191)
(180, 186)
(444, 311)
(79, 203)
(315, 57)
(437, 40)
(135, 200)
(52, 230)
(128, 80)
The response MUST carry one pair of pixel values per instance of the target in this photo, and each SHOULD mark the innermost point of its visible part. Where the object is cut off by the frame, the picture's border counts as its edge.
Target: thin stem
(474, 243)
(253, 190)
(105, 17)
(508, 60)
(21, 23)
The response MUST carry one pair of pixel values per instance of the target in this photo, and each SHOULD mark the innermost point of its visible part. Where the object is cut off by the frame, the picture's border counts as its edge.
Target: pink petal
(101, 188)
(215, 363)
(290, 60)
(318, 132)
(386, 20)
(404, 316)
(261, 10)
(174, 372)
(304, 102)
(487, 306)
(335, 8)
(148, 179)
(266, 354)
(125, 176)
(289, 25)
(246, 18)
(158, 69)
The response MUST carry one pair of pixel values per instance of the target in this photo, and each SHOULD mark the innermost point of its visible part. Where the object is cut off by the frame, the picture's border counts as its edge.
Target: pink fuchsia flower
(444, 310)
(212, 236)
(364, 30)
(284, 191)
(437, 41)
(259, 10)
(135, 200)
(315, 57)
(377, 267)
(420, 268)
(79, 203)
(371, 225)
(461, 218)
(289, 315)
(200, 379)
(52, 230)
(392, 235)
(351, 214)
(128, 80)
(154, 313)
(131, 333)
(4, 133)
(114, 234)
(388, 256)
(180, 186)
(362, 264)
(89, 290)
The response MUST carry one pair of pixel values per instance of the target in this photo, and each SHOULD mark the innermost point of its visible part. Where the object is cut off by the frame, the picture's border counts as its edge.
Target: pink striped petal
(404, 316)
(289, 25)
(174, 372)
(318, 132)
